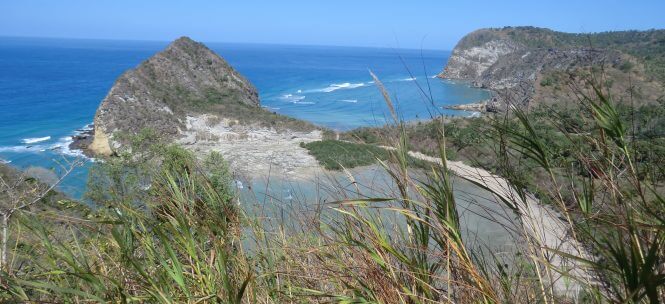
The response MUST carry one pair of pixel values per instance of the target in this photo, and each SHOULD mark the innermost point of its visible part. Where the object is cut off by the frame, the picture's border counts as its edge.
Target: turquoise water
(294, 204)
(50, 88)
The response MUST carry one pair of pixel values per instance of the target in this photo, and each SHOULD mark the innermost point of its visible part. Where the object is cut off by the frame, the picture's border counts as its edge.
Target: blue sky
(409, 24)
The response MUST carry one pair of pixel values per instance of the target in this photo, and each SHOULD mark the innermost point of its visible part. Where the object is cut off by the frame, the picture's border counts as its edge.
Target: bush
(626, 66)
(546, 82)
(335, 155)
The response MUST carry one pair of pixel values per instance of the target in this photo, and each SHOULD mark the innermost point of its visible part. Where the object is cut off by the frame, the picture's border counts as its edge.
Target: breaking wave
(340, 86)
(35, 140)
(62, 146)
(37, 145)
(291, 97)
(294, 99)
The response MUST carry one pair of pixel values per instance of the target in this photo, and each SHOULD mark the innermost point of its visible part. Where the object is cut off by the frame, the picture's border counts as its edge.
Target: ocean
(50, 89)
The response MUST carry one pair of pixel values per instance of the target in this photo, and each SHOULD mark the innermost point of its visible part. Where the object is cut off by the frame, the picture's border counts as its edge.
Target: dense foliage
(478, 140)
(152, 207)
(336, 155)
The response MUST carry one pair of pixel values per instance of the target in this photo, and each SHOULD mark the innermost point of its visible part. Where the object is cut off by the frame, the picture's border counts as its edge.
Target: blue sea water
(50, 88)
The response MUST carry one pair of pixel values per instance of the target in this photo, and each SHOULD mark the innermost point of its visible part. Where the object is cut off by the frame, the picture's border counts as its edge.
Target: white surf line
(541, 222)
(34, 140)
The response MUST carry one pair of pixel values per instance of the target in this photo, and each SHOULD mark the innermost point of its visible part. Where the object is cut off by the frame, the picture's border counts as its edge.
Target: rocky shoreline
(486, 106)
(82, 140)
(473, 107)
(252, 151)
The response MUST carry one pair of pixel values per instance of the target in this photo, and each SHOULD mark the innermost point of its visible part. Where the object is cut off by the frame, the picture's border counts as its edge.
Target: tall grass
(187, 240)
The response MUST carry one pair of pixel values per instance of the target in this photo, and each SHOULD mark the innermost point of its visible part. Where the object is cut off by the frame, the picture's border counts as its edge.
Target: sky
(427, 24)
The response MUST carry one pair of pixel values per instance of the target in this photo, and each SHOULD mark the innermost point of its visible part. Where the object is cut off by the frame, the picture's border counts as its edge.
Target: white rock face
(470, 63)
(252, 151)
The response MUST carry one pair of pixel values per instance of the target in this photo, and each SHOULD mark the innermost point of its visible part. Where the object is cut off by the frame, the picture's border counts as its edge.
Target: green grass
(336, 155)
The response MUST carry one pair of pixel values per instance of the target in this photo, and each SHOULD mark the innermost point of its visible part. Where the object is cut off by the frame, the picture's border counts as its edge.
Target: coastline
(491, 105)
(541, 222)
(82, 139)
(472, 107)
(251, 151)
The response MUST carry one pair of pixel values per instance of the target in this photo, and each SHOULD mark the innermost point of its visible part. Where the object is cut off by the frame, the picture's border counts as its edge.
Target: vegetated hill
(185, 79)
(527, 64)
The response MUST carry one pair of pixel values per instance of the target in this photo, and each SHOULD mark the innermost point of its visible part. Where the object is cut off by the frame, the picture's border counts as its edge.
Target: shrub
(333, 155)
(546, 82)
(336, 155)
(626, 66)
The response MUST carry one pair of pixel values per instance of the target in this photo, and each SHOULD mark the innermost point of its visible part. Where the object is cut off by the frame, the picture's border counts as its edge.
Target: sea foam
(37, 145)
(295, 99)
(22, 149)
(339, 86)
(35, 140)
(62, 146)
(292, 98)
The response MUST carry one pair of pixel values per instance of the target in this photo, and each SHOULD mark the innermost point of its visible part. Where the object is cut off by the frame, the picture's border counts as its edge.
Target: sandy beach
(542, 223)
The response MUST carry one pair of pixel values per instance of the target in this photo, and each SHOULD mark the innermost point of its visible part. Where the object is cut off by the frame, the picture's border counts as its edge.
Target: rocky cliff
(186, 79)
(189, 95)
(158, 94)
(525, 64)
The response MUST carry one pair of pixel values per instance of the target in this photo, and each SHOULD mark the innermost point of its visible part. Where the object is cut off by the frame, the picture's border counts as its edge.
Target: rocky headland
(524, 65)
(189, 95)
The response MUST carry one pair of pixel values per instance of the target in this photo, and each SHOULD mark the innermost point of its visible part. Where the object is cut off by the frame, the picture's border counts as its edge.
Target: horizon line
(223, 42)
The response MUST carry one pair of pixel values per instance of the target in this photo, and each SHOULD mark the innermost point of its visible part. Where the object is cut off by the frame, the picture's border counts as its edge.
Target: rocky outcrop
(101, 143)
(186, 77)
(472, 60)
(252, 150)
(490, 105)
(513, 61)
(190, 96)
